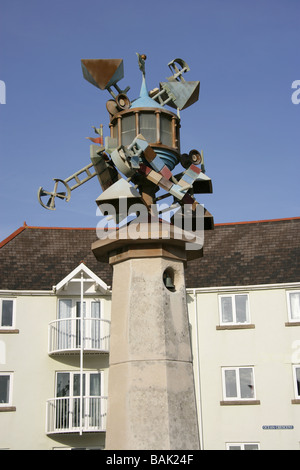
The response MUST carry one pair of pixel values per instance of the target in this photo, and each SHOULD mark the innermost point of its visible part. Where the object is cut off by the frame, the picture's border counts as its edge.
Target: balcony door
(69, 326)
(68, 401)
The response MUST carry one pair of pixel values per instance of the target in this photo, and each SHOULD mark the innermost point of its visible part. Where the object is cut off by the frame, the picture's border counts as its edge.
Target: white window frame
(10, 392)
(242, 445)
(238, 382)
(87, 313)
(295, 367)
(233, 301)
(291, 319)
(87, 374)
(72, 401)
(12, 327)
(88, 306)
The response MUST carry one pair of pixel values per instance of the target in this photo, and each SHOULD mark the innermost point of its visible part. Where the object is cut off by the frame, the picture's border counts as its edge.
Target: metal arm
(65, 195)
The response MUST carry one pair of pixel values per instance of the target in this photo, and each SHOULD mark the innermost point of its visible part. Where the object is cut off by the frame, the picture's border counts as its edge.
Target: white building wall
(270, 348)
(34, 372)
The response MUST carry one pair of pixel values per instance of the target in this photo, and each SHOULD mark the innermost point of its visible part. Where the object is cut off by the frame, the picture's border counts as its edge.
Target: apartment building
(244, 310)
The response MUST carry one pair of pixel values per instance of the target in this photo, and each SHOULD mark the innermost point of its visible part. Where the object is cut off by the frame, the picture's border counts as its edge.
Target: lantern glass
(148, 126)
(166, 131)
(128, 129)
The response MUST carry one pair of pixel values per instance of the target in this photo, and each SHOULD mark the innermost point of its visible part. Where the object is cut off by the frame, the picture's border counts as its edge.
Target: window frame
(12, 327)
(238, 397)
(68, 323)
(88, 306)
(296, 392)
(242, 445)
(288, 293)
(86, 374)
(68, 405)
(10, 389)
(233, 301)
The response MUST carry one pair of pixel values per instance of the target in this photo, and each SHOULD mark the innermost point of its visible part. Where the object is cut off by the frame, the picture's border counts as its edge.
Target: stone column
(151, 396)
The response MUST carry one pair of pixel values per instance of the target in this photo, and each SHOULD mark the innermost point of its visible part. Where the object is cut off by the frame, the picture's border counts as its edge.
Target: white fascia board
(25, 292)
(285, 285)
(104, 288)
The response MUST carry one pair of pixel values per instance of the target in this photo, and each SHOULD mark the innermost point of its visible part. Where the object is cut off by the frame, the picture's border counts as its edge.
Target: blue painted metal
(144, 100)
(168, 157)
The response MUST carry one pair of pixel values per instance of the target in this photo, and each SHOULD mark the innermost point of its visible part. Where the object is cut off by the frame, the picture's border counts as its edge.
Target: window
(7, 308)
(148, 126)
(297, 381)
(69, 329)
(68, 401)
(68, 384)
(234, 309)
(166, 130)
(242, 446)
(238, 383)
(5, 389)
(128, 129)
(294, 306)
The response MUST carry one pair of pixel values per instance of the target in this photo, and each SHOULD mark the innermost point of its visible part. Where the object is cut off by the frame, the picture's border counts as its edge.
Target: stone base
(151, 394)
(138, 236)
(154, 407)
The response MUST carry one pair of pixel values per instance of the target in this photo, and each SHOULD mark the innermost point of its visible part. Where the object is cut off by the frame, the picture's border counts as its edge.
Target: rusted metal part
(144, 143)
(104, 74)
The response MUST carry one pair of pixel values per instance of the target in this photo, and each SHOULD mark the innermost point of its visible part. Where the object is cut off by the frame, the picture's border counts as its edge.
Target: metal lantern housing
(159, 126)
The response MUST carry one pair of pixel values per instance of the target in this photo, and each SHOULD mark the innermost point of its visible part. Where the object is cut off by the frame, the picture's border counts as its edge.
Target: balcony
(65, 336)
(63, 415)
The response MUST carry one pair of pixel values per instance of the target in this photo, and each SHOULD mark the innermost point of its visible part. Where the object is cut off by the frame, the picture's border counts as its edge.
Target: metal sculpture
(144, 143)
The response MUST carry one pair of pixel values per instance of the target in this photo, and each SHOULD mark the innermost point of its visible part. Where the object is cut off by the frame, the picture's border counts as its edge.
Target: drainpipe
(200, 423)
(81, 352)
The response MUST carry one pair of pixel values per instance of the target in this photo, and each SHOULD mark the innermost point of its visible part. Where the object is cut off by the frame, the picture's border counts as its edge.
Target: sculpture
(143, 148)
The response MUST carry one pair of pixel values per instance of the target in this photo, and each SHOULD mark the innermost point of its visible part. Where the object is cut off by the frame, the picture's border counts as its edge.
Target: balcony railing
(65, 335)
(63, 415)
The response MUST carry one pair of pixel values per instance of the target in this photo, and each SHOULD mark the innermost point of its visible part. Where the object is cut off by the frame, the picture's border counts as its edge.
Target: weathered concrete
(151, 395)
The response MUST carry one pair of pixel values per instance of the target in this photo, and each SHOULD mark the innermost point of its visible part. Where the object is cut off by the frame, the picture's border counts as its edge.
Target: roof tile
(263, 252)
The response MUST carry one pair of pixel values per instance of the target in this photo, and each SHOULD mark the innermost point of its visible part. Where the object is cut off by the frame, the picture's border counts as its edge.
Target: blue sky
(245, 54)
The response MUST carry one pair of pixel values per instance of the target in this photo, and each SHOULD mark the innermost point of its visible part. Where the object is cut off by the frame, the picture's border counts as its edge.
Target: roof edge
(257, 221)
(12, 235)
(25, 226)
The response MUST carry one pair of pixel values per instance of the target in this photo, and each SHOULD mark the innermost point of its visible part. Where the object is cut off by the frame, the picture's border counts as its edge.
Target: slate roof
(245, 253)
(38, 258)
(263, 252)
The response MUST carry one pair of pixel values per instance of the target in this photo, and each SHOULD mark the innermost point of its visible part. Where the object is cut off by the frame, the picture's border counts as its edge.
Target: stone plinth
(151, 397)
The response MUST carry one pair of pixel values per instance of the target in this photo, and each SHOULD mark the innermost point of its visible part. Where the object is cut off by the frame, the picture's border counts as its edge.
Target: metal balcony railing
(65, 335)
(63, 415)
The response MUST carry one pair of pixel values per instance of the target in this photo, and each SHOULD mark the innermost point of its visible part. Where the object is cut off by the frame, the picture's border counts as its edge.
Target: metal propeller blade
(51, 201)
